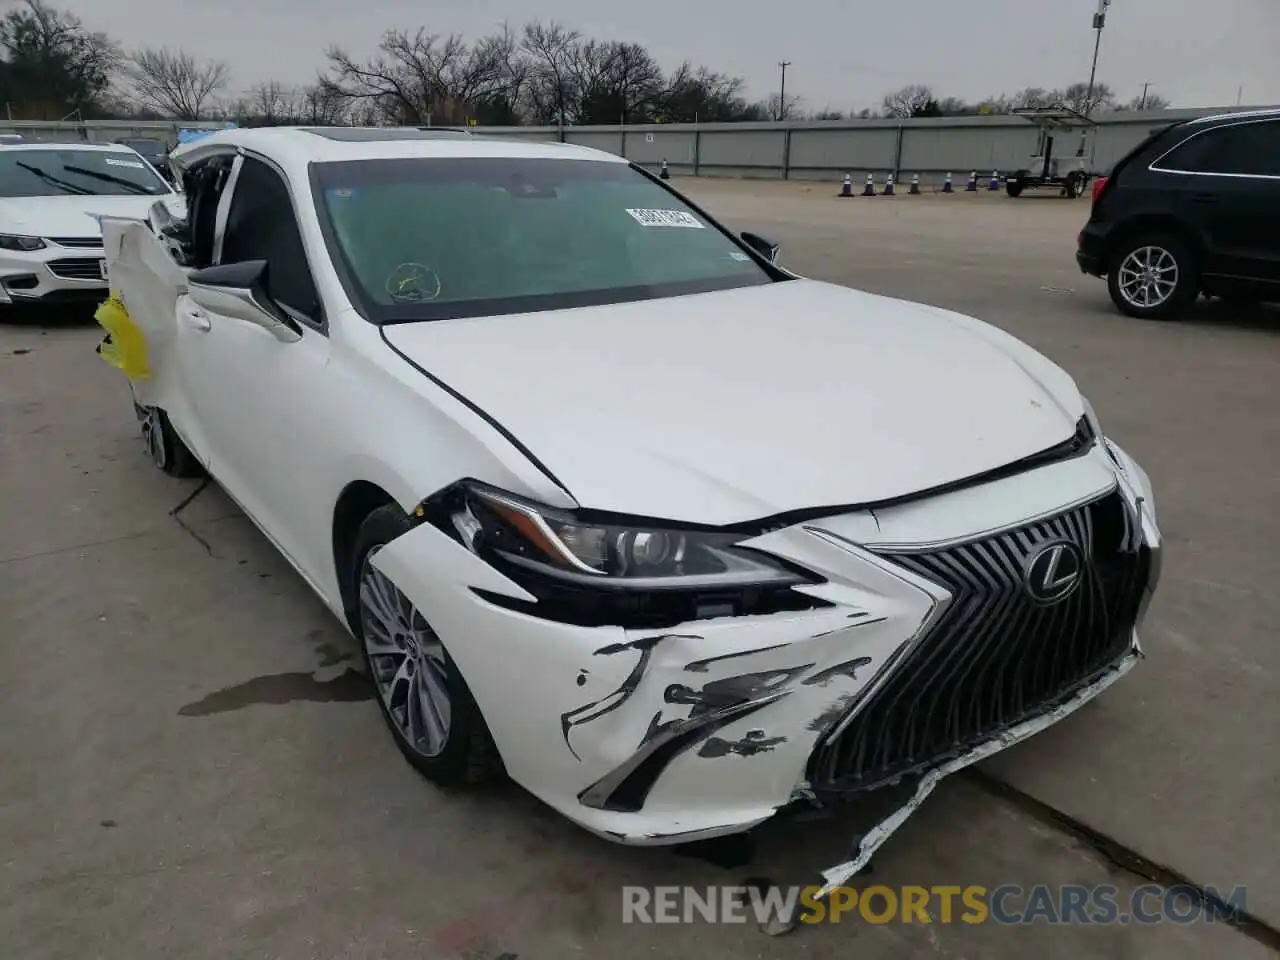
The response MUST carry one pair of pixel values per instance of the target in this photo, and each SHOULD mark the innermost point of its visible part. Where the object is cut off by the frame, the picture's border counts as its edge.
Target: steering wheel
(412, 283)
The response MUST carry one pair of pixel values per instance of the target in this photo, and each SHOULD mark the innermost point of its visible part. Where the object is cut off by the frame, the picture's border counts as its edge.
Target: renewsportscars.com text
(1008, 904)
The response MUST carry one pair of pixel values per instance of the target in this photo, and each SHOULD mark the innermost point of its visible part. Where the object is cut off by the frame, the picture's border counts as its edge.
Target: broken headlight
(616, 554)
(596, 570)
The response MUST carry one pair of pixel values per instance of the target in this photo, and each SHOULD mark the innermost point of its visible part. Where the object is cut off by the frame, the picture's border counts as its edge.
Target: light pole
(1099, 21)
(782, 97)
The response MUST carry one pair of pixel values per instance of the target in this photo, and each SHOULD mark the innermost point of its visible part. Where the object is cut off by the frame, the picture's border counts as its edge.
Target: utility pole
(1145, 87)
(782, 97)
(1099, 21)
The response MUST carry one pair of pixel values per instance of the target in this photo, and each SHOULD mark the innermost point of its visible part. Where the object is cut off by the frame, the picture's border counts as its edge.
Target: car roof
(64, 145)
(1267, 114)
(295, 148)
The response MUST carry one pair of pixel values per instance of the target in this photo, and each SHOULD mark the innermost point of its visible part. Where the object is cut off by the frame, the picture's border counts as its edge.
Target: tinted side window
(1245, 148)
(261, 226)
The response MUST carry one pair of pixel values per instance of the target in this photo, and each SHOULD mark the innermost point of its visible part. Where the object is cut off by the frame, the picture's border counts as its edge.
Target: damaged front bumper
(713, 726)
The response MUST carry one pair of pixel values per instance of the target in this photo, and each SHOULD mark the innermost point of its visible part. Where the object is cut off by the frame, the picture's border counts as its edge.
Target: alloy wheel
(153, 437)
(407, 661)
(1148, 277)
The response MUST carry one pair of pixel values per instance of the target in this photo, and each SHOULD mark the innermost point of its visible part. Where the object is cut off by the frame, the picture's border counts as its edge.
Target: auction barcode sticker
(664, 218)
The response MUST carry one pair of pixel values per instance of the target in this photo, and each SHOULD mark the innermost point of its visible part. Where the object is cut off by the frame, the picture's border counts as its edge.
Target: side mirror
(240, 290)
(762, 245)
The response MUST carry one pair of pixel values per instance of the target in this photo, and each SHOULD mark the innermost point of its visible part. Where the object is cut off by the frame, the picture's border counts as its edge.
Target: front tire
(1153, 276)
(426, 704)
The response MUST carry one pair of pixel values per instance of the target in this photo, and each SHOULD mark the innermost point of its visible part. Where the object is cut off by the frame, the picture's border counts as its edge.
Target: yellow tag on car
(124, 347)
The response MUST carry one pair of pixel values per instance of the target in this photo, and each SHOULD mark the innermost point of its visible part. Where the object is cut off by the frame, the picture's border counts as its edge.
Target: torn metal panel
(150, 283)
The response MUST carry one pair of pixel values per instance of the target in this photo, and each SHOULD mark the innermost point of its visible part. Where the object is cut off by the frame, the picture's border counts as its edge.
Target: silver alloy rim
(407, 661)
(153, 436)
(1148, 277)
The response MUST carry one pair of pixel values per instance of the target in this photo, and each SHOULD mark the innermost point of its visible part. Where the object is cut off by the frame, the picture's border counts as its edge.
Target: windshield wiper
(86, 172)
(49, 178)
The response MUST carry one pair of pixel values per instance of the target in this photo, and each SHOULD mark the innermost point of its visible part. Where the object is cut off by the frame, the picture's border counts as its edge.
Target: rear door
(1228, 178)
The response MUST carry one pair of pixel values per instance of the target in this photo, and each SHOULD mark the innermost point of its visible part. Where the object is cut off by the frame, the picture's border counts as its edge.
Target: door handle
(1204, 198)
(198, 319)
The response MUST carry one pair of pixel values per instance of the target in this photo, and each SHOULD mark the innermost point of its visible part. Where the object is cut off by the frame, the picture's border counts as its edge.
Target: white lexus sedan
(614, 503)
(50, 197)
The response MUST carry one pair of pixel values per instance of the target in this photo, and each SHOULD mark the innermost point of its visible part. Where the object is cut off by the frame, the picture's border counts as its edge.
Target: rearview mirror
(240, 290)
(762, 245)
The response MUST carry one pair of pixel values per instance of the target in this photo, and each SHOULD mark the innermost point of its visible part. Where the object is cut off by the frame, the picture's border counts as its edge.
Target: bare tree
(271, 104)
(421, 77)
(52, 65)
(701, 95)
(908, 101)
(1151, 101)
(551, 49)
(1078, 97)
(1033, 97)
(175, 83)
(321, 105)
(615, 83)
(498, 99)
(775, 109)
(954, 107)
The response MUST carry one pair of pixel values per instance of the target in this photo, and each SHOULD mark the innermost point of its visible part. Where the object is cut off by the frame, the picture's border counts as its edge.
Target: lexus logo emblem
(1053, 572)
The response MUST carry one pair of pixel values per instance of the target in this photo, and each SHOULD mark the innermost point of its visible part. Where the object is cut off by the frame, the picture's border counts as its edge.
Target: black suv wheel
(1153, 276)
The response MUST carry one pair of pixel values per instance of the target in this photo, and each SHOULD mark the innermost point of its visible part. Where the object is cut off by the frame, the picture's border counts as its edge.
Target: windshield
(421, 239)
(148, 148)
(55, 173)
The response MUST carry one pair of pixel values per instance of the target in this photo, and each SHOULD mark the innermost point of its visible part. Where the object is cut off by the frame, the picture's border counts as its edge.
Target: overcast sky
(843, 54)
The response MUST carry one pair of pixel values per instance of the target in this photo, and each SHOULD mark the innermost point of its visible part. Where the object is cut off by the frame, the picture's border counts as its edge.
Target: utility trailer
(1069, 174)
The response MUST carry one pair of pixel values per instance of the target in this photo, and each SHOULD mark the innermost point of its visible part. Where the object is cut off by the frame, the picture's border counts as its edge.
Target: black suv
(1195, 209)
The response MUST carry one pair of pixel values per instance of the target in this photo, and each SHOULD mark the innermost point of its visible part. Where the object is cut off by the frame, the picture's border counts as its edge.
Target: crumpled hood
(73, 216)
(724, 407)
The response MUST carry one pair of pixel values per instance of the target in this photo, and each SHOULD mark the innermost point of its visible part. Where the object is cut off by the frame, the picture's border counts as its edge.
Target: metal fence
(826, 150)
(801, 150)
(105, 131)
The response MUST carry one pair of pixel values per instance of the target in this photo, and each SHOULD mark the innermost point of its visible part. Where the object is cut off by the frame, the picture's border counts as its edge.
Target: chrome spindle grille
(999, 655)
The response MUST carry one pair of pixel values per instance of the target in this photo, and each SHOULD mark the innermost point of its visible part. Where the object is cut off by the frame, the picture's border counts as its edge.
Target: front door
(254, 392)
